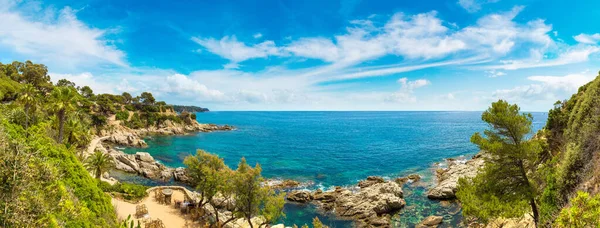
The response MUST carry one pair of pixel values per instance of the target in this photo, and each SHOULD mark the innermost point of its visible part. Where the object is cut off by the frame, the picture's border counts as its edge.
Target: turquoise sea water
(335, 148)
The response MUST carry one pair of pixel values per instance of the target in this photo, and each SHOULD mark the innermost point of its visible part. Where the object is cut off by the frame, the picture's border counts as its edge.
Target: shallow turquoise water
(334, 148)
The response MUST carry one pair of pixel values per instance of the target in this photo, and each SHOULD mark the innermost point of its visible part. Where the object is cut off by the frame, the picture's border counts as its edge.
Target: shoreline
(429, 181)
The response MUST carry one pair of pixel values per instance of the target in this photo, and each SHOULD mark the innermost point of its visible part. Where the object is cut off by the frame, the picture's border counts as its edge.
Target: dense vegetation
(44, 127)
(43, 182)
(184, 108)
(552, 176)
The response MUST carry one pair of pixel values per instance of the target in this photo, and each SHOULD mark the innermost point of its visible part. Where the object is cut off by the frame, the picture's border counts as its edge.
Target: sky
(314, 55)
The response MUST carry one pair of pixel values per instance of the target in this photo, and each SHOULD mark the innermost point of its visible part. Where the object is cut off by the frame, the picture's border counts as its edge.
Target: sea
(328, 149)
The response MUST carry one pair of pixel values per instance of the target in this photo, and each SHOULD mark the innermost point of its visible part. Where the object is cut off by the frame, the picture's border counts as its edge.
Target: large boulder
(179, 174)
(299, 196)
(448, 178)
(371, 206)
(144, 157)
(127, 139)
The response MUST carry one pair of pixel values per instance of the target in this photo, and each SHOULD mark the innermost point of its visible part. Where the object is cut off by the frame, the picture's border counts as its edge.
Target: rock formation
(448, 178)
(300, 196)
(371, 206)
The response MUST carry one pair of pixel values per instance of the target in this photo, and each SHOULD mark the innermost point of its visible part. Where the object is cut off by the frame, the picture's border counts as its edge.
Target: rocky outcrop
(448, 178)
(140, 163)
(121, 135)
(430, 222)
(284, 184)
(371, 206)
(180, 175)
(370, 181)
(299, 196)
(127, 139)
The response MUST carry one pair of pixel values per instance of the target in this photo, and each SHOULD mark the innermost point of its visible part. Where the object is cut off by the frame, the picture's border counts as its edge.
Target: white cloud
(405, 95)
(84, 79)
(495, 73)
(574, 55)
(497, 34)
(588, 38)
(183, 86)
(547, 89)
(316, 48)
(230, 48)
(473, 6)
(257, 35)
(57, 39)
(569, 83)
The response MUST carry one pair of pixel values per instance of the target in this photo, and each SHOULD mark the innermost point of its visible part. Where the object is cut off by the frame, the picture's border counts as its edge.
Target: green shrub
(583, 212)
(133, 191)
(130, 107)
(122, 115)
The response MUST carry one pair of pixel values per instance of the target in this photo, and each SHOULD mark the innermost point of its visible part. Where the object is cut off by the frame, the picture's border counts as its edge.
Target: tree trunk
(536, 216)
(26, 119)
(61, 124)
(98, 173)
(216, 215)
(532, 203)
(250, 221)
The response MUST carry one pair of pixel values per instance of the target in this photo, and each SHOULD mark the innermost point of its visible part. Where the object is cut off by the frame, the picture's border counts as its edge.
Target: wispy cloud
(473, 6)
(588, 38)
(59, 40)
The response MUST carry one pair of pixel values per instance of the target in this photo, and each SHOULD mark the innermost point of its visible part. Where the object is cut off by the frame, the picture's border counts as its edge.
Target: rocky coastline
(447, 178)
(124, 136)
(371, 203)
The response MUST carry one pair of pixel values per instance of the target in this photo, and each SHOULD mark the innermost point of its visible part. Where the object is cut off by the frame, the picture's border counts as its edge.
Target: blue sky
(314, 55)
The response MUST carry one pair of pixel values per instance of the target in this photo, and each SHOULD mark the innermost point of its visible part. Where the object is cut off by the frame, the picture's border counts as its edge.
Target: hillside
(573, 158)
(45, 128)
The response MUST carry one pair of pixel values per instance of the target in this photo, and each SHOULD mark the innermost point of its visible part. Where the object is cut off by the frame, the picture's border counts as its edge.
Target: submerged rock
(448, 178)
(430, 222)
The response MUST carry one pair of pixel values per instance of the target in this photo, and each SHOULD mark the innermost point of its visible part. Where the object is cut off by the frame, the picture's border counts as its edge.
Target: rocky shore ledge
(370, 204)
(447, 178)
(124, 136)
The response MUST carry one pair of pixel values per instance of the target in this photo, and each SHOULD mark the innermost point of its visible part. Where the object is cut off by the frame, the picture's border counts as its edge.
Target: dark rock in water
(370, 181)
(320, 176)
(401, 180)
(299, 196)
(414, 177)
(431, 221)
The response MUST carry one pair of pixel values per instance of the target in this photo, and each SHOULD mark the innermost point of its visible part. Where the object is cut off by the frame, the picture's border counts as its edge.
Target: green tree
(272, 208)
(77, 132)
(147, 98)
(583, 212)
(248, 192)
(205, 170)
(127, 98)
(28, 97)
(318, 224)
(34, 74)
(86, 92)
(65, 83)
(63, 101)
(98, 163)
(503, 187)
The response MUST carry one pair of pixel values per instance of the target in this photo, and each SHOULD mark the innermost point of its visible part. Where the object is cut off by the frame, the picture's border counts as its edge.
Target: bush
(122, 115)
(128, 191)
(130, 107)
(583, 212)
